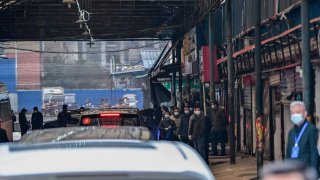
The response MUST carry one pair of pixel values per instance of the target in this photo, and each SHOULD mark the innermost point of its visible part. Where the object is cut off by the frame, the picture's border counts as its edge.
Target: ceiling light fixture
(69, 2)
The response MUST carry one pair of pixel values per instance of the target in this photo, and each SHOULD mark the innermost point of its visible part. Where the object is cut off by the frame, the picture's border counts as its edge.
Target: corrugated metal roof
(149, 57)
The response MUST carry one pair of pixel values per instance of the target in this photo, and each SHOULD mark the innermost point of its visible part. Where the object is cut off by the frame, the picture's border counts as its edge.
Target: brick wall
(28, 70)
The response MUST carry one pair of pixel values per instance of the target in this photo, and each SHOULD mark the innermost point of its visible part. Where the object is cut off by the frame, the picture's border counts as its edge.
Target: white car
(66, 159)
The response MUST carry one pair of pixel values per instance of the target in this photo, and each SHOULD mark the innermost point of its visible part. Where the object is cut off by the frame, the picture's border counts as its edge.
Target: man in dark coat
(302, 138)
(184, 126)
(14, 119)
(64, 116)
(36, 119)
(218, 129)
(24, 123)
(198, 132)
(167, 127)
(3, 136)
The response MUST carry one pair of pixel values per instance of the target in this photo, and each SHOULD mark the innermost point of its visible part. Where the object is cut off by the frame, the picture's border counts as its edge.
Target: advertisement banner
(188, 52)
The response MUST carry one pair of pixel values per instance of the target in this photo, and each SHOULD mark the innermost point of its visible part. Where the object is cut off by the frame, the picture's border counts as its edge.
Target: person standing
(167, 127)
(14, 119)
(177, 119)
(64, 116)
(218, 129)
(24, 123)
(36, 119)
(184, 126)
(3, 136)
(302, 138)
(197, 132)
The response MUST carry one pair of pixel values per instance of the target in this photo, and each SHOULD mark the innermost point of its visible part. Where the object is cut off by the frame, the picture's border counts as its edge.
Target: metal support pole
(259, 88)
(306, 63)
(238, 119)
(211, 55)
(153, 94)
(230, 82)
(173, 84)
(188, 87)
(173, 92)
(180, 75)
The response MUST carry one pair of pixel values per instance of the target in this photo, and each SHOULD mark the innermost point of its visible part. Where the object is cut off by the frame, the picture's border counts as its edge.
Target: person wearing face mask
(218, 129)
(177, 119)
(167, 127)
(198, 132)
(184, 126)
(302, 138)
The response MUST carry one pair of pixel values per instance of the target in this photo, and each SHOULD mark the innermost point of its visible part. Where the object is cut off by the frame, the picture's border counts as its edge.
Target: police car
(111, 117)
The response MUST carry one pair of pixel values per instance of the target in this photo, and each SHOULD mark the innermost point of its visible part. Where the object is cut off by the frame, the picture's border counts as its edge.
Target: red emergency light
(110, 115)
(86, 121)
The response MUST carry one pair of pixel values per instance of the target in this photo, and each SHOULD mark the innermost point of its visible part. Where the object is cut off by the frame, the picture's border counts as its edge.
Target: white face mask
(197, 113)
(167, 117)
(176, 113)
(297, 118)
(186, 112)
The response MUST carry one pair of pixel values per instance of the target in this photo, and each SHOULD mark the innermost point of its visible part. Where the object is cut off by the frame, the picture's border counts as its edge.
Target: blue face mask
(297, 118)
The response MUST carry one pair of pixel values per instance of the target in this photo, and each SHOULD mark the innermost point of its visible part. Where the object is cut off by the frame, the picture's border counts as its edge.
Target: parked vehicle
(53, 98)
(88, 153)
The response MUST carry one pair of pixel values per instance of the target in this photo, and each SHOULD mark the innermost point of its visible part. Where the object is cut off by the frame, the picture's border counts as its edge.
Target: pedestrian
(167, 127)
(24, 123)
(14, 119)
(36, 119)
(302, 138)
(64, 116)
(163, 110)
(218, 129)
(287, 170)
(3, 136)
(82, 109)
(184, 126)
(198, 132)
(177, 119)
(171, 109)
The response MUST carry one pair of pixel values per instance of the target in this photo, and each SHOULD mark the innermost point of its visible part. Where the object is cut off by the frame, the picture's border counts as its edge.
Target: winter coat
(24, 124)
(63, 118)
(3, 136)
(36, 120)
(219, 120)
(308, 153)
(167, 134)
(198, 126)
(184, 125)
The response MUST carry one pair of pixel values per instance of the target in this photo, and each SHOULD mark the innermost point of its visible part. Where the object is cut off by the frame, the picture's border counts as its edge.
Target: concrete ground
(244, 169)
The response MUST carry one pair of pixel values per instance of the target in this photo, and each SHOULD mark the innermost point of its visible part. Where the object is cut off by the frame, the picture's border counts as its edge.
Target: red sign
(206, 64)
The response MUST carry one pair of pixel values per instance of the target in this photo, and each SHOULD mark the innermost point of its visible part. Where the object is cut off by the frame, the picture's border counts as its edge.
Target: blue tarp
(8, 74)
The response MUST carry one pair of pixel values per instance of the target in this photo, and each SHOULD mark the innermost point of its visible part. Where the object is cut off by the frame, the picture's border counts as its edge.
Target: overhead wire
(88, 52)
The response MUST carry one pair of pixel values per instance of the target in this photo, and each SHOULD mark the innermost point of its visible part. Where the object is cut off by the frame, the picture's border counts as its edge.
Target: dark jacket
(219, 120)
(177, 121)
(63, 118)
(167, 134)
(198, 126)
(36, 120)
(308, 153)
(184, 125)
(24, 124)
(3, 136)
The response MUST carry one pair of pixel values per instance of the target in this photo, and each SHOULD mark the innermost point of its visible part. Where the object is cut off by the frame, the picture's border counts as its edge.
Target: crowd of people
(36, 121)
(195, 128)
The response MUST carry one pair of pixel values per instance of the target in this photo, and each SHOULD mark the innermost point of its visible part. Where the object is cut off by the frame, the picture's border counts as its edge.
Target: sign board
(188, 52)
(205, 64)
